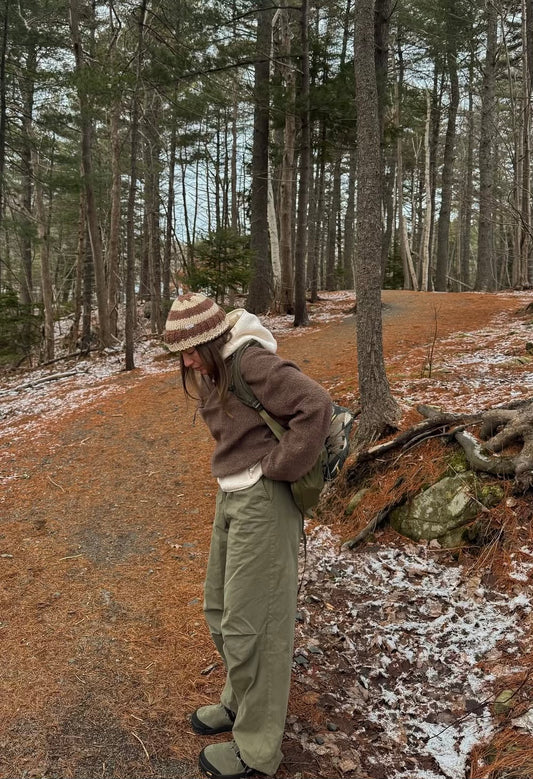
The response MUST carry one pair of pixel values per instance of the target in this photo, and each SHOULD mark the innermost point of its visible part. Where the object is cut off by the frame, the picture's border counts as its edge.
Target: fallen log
(37, 382)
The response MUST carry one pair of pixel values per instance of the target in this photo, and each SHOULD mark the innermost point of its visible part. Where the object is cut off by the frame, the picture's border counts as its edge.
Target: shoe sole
(202, 729)
(210, 769)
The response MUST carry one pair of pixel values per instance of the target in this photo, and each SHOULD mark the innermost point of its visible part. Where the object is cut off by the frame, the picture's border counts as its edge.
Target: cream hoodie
(247, 327)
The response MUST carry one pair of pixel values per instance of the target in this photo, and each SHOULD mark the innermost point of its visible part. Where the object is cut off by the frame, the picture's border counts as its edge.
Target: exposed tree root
(374, 523)
(504, 427)
(437, 423)
(499, 429)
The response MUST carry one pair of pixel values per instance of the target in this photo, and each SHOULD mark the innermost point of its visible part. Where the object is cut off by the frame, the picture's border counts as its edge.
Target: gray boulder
(447, 511)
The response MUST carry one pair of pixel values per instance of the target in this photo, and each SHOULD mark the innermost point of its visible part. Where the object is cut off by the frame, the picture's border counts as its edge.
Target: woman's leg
(250, 604)
(214, 588)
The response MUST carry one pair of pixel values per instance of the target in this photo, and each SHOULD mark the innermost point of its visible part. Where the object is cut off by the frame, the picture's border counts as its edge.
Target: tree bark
(87, 166)
(44, 251)
(443, 234)
(410, 280)
(78, 282)
(3, 114)
(485, 261)
(169, 221)
(314, 270)
(378, 408)
(468, 189)
(286, 187)
(349, 225)
(113, 269)
(300, 307)
(131, 316)
(151, 136)
(260, 291)
(528, 10)
(383, 12)
(425, 240)
(87, 294)
(334, 210)
(525, 217)
(28, 91)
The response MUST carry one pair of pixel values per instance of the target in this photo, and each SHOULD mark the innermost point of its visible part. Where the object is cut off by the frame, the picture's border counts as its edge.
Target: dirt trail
(105, 519)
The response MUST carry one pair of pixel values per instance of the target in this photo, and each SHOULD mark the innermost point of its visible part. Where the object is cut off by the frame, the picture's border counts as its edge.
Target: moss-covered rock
(457, 462)
(445, 510)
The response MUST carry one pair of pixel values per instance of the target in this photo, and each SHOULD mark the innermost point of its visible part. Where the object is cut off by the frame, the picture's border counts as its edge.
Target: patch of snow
(433, 629)
(450, 747)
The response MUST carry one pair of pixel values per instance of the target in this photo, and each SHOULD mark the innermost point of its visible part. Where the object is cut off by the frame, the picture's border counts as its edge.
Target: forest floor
(106, 502)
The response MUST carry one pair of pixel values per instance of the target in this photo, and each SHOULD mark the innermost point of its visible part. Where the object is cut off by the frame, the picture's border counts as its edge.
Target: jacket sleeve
(298, 402)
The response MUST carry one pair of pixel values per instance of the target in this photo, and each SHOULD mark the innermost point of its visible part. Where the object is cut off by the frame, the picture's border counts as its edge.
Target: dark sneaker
(224, 761)
(213, 719)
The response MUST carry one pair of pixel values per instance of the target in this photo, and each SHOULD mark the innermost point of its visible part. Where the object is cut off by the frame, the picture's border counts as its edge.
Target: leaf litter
(413, 632)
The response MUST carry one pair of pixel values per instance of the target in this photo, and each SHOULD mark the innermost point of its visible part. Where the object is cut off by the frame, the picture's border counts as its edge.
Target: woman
(252, 573)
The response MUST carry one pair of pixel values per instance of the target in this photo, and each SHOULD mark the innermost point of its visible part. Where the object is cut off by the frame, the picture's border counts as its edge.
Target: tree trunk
(349, 226)
(381, 34)
(426, 230)
(382, 17)
(466, 209)
(78, 283)
(151, 201)
(378, 408)
(260, 291)
(409, 273)
(28, 90)
(87, 295)
(300, 307)
(87, 166)
(113, 269)
(3, 113)
(525, 216)
(315, 223)
(434, 136)
(131, 314)
(274, 243)
(443, 235)
(234, 188)
(169, 222)
(485, 260)
(286, 199)
(334, 210)
(44, 250)
(528, 10)
(218, 193)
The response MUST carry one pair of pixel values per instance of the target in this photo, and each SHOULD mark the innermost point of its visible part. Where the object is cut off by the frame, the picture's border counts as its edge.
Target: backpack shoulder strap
(242, 390)
(238, 385)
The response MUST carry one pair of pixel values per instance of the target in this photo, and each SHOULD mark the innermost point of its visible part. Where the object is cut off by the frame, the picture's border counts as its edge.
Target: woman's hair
(211, 356)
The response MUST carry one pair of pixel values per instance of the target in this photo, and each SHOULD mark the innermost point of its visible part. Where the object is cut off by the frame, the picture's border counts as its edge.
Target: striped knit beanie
(193, 319)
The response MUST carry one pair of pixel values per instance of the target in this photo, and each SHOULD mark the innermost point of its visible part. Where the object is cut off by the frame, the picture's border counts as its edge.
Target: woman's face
(191, 359)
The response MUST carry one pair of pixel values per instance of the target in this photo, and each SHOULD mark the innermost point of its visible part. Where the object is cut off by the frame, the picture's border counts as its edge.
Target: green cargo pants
(250, 607)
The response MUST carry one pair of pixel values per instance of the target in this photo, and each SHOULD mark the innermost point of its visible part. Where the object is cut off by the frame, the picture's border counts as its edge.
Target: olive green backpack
(306, 490)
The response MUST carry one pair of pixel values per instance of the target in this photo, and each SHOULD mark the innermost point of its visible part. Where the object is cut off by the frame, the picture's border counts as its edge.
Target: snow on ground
(473, 371)
(412, 632)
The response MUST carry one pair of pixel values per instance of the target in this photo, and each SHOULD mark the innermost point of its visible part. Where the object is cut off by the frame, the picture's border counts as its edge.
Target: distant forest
(207, 144)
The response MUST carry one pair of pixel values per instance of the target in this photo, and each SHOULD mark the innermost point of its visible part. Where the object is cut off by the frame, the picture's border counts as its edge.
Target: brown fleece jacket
(292, 398)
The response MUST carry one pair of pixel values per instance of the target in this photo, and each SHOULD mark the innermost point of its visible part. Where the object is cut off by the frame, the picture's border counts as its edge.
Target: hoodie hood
(247, 327)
